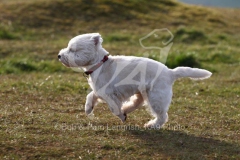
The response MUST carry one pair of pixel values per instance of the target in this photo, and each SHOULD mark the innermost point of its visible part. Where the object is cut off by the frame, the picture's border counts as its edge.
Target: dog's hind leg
(90, 102)
(135, 102)
(159, 107)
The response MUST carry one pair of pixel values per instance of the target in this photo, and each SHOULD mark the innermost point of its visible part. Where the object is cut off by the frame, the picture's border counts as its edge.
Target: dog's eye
(71, 50)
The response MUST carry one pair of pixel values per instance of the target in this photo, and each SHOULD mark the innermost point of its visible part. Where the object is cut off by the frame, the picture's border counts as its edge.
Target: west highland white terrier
(125, 82)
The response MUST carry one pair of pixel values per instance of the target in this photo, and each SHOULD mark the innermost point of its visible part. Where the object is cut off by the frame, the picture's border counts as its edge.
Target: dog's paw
(88, 110)
(123, 117)
(152, 125)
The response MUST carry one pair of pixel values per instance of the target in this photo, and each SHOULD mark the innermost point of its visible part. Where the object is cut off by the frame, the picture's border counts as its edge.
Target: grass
(182, 60)
(6, 33)
(42, 102)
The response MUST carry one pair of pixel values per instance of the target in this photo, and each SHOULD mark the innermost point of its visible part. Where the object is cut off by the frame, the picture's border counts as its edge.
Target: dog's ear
(97, 39)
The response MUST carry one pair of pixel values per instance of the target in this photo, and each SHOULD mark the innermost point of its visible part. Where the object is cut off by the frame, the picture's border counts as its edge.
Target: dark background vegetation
(42, 102)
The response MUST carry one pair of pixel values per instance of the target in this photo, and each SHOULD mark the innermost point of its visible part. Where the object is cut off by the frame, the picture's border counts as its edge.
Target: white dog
(125, 82)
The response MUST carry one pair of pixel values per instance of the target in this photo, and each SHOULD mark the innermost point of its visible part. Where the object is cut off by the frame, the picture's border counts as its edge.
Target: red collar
(95, 67)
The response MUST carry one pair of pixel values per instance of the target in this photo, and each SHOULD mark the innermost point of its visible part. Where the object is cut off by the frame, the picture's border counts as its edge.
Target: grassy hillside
(42, 102)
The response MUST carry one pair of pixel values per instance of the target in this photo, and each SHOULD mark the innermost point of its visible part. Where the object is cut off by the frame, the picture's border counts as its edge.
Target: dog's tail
(193, 73)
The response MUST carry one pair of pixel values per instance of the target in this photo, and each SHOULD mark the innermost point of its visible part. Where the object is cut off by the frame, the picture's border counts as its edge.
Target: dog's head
(82, 50)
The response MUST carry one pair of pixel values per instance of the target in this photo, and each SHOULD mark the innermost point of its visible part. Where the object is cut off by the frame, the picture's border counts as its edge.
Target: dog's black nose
(59, 56)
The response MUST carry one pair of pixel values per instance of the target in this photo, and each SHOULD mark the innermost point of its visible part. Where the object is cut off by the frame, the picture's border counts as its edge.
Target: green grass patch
(16, 66)
(116, 38)
(181, 59)
(6, 33)
(191, 36)
(222, 58)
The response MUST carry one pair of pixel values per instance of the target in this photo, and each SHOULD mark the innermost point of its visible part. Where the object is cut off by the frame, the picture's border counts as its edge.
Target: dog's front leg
(117, 112)
(115, 106)
(90, 102)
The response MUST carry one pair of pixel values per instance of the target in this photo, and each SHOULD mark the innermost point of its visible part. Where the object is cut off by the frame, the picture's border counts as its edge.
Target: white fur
(126, 82)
